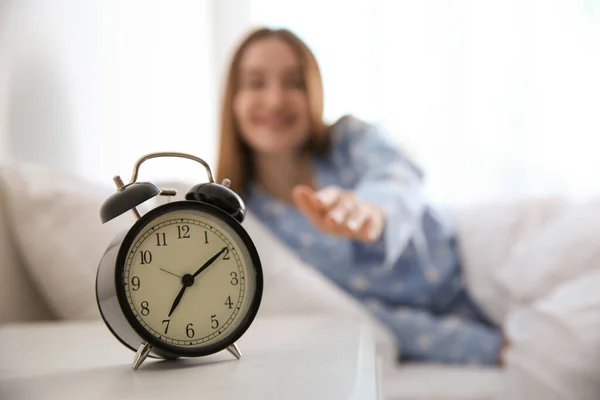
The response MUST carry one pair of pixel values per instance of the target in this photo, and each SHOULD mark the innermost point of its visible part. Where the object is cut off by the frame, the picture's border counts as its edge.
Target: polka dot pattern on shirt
(450, 323)
(306, 240)
(374, 304)
(432, 275)
(359, 283)
(424, 341)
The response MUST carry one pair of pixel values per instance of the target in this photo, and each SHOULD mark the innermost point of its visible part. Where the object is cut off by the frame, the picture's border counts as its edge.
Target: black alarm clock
(186, 279)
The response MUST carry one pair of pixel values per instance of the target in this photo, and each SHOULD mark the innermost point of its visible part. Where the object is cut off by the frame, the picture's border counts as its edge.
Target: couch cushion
(19, 299)
(55, 223)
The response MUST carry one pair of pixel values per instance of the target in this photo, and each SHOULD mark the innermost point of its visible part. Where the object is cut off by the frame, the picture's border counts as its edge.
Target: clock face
(190, 280)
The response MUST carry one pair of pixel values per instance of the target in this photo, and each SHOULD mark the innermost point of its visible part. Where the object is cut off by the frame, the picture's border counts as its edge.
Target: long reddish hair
(235, 157)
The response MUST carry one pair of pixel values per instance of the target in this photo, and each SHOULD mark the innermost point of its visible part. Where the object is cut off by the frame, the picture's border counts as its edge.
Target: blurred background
(494, 98)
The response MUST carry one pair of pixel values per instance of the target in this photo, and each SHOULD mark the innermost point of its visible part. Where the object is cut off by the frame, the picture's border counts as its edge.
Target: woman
(346, 200)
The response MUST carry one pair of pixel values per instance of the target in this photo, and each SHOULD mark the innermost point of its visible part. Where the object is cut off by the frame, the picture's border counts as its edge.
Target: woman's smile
(274, 121)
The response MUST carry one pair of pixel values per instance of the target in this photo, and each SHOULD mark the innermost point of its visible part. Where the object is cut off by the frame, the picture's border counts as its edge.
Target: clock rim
(159, 346)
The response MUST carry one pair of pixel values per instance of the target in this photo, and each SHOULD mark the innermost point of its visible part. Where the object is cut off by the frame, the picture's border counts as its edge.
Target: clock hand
(177, 299)
(169, 272)
(188, 280)
(209, 262)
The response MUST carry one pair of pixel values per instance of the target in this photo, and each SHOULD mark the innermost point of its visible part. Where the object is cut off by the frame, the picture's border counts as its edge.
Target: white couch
(532, 265)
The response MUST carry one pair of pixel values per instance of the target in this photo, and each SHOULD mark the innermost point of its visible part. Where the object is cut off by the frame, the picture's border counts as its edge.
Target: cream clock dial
(187, 279)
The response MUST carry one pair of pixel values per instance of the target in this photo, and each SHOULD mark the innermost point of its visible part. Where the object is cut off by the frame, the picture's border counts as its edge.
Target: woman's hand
(338, 212)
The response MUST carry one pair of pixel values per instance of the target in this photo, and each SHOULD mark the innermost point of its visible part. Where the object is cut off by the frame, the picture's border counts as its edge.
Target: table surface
(282, 358)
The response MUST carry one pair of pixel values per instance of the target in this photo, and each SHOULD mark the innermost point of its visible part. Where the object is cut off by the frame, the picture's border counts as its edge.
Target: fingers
(310, 196)
(366, 223)
(338, 212)
(318, 207)
(358, 220)
(303, 197)
(371, 229)
(329, 196)
(374, 229)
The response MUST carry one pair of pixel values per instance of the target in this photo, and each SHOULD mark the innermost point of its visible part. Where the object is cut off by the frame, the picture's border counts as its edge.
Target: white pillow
(488, 235)
(565, 249)
(555, 344)
(552, 280)
(56, 223)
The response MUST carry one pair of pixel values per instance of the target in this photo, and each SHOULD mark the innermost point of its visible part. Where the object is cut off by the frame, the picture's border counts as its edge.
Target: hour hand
(177, 300)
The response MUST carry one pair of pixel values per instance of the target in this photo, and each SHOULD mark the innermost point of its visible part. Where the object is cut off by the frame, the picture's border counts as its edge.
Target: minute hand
(209, 262)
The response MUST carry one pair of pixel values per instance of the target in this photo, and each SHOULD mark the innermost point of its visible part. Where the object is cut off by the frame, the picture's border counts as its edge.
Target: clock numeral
(189, 331)
(135, 282)
(226, 254)
(234, 278)
(228, 303)
(206, 237)
(214, 322)
(161, 239)
(145, 309)
(183, 232)
(146, 257)
(167, 321)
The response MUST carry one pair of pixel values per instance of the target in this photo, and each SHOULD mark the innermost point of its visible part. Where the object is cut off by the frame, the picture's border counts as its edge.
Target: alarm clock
(186, 279)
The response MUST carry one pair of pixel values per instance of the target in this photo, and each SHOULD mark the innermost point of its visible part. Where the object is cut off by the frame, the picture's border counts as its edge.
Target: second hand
(169, 272)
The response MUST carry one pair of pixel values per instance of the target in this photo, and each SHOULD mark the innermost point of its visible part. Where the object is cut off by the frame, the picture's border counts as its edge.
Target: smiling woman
(266, 75)
(258, 86)
(347, 201)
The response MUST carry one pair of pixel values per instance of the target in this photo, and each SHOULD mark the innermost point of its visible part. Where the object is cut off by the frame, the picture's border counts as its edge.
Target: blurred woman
(347, 201)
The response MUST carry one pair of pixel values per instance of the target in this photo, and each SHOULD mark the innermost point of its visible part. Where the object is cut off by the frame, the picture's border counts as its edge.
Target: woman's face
(270, 105)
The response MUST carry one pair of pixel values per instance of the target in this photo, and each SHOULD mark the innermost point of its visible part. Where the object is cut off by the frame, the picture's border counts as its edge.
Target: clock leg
(233, 349)
(141, 355)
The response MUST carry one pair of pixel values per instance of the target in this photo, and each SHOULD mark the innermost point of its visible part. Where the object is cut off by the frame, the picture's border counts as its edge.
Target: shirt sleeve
(386, 178)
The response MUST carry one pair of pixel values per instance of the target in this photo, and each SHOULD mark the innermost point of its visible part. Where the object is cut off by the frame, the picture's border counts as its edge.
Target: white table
(282, 358)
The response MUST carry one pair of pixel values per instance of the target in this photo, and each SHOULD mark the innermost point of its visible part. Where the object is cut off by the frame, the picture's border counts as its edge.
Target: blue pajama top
(410, 278)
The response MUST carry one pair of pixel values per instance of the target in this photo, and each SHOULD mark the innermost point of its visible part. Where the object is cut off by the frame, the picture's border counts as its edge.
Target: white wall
(38, 97)
(102, 83)
(159, 93)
